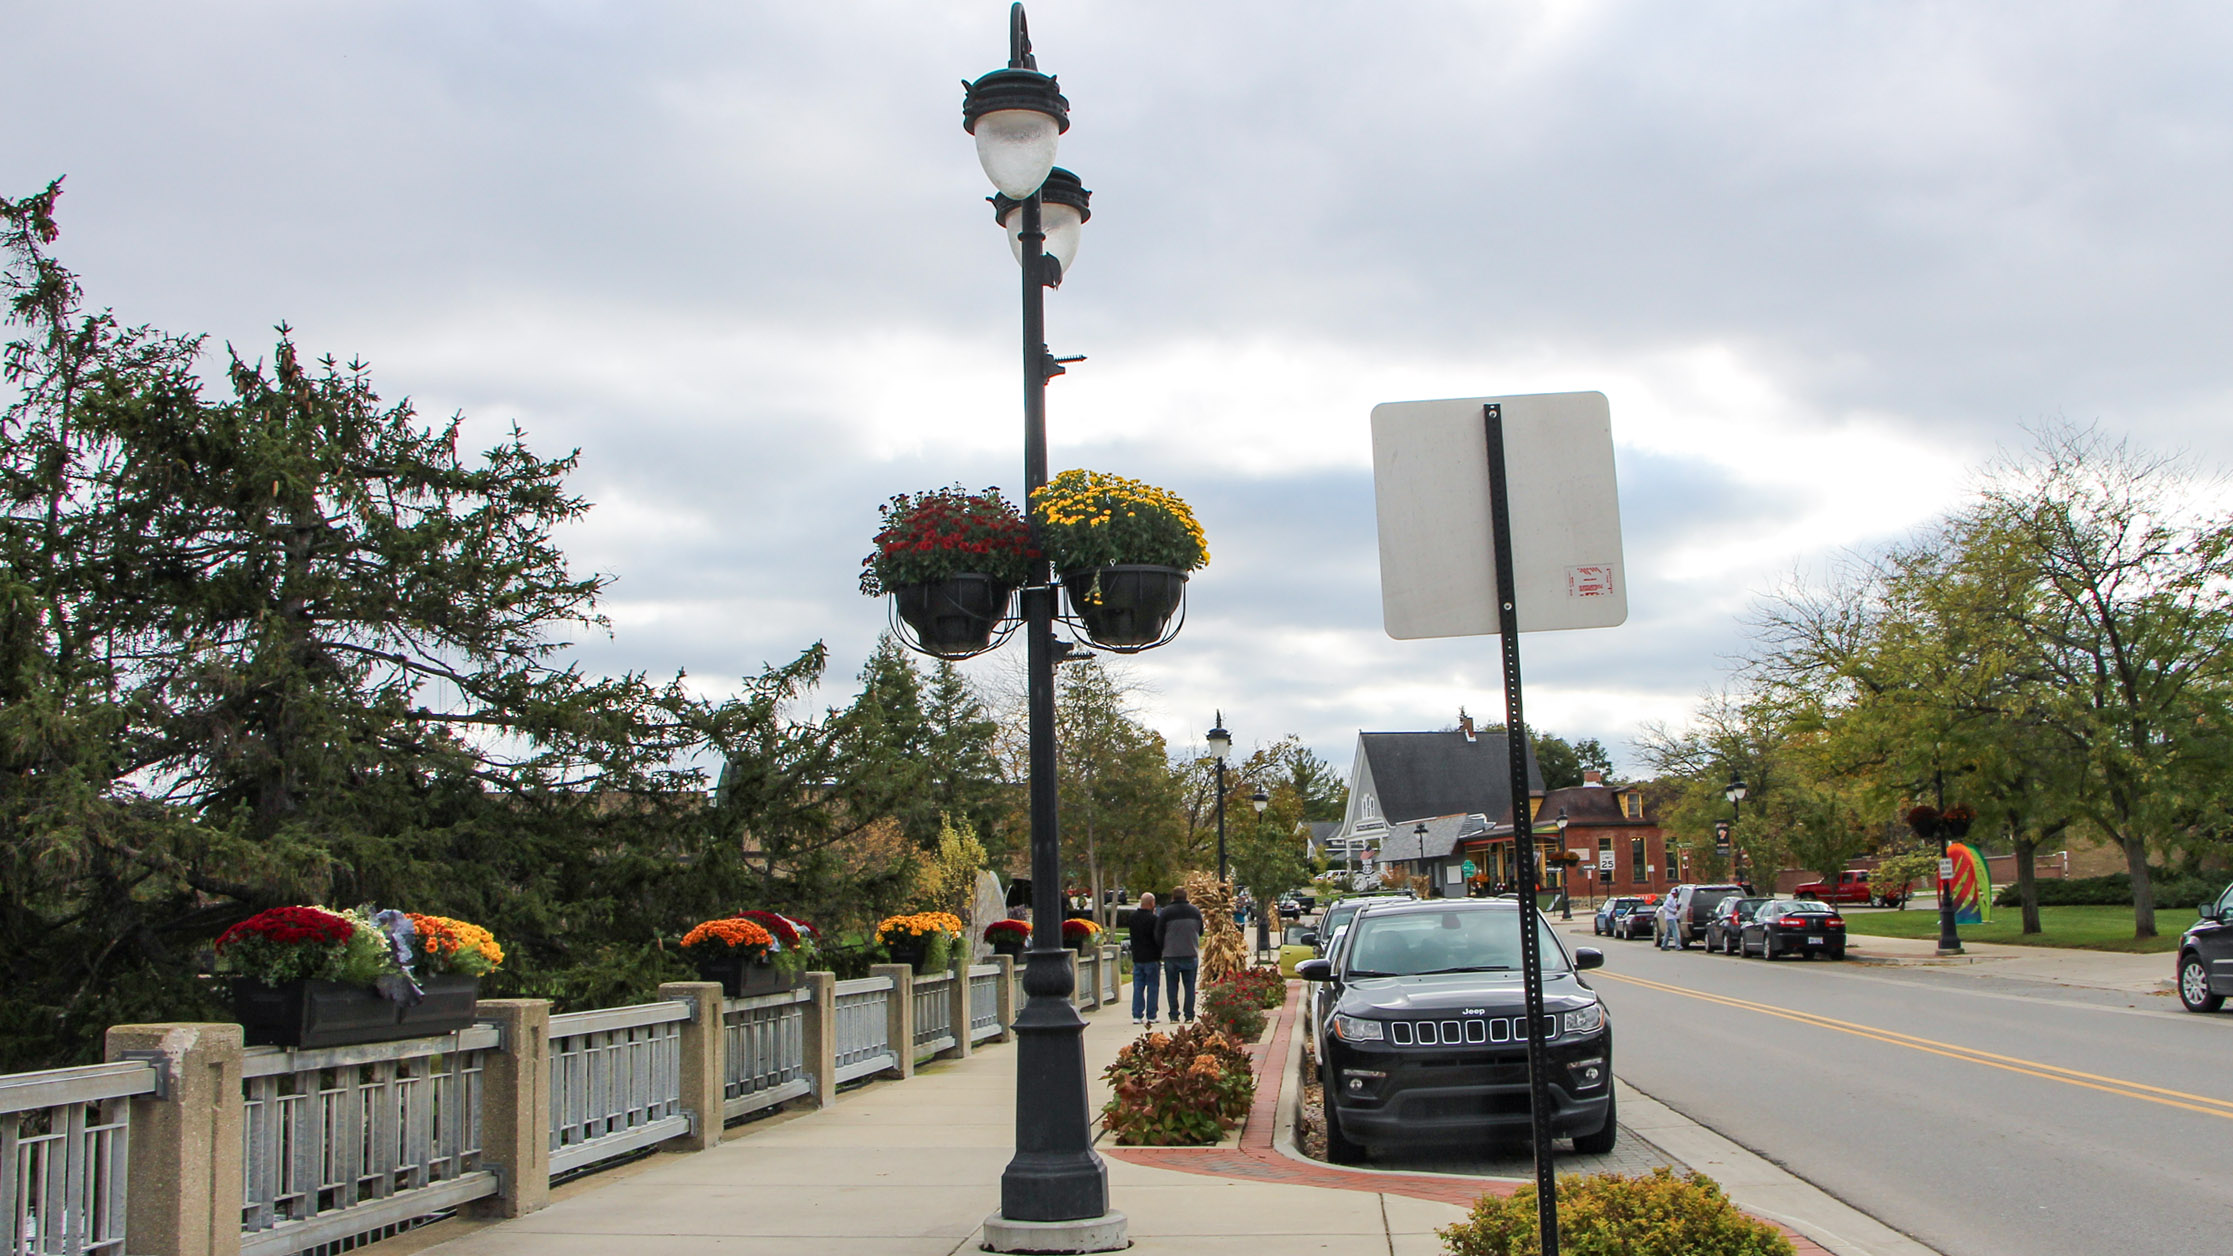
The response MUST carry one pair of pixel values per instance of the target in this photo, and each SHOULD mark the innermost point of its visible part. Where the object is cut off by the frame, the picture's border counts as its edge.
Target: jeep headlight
(1586, 1020)
(1358, 1029)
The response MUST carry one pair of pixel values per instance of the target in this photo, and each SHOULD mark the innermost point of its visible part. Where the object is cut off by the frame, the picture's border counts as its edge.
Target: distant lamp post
(1565, 871)
(1221, 746)
(1419, 831)
(1734, 791)
(1264, 911)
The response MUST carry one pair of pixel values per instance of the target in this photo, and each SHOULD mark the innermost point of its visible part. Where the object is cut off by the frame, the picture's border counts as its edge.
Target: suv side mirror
(1315, 970)
(1588, 957)
(1308, 937)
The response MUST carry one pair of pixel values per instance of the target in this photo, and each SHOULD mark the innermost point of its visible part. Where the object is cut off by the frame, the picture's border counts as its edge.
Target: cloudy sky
(1823, 259)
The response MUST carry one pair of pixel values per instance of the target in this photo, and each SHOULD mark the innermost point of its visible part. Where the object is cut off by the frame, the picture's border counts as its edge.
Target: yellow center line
(2008, 1063)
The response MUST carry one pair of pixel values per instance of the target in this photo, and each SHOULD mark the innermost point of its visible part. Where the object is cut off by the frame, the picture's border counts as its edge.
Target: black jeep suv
(1424, 1040)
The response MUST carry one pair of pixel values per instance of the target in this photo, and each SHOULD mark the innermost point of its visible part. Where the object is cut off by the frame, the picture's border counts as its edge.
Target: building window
(1633, 803)
(1636, 871)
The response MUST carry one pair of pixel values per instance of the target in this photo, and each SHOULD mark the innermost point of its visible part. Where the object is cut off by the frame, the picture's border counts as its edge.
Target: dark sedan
(1609, 911)
(1787, 926)
(1728, 918)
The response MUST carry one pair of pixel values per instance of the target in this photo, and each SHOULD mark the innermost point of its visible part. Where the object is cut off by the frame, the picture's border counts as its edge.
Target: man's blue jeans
(1145, 977)
(1174, 970)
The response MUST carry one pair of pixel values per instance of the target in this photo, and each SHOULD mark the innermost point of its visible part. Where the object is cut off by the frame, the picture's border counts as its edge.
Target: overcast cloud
(1823, 260)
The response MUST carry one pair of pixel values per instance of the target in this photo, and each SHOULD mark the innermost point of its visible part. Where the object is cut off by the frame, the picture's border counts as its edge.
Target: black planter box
(911, 953)
(1006, 947)
(741, 978)
(330, 1014)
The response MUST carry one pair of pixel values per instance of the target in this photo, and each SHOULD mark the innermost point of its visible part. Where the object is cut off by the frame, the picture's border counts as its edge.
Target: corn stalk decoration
(1224, 951)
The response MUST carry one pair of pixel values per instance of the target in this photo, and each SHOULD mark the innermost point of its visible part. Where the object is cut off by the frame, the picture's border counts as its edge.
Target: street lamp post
(1221, 745)
(1054, 1194)
(1565, 871)
(1734, 791)
(1260, 800)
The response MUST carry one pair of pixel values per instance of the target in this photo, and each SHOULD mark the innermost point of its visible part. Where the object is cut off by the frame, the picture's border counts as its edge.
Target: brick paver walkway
(1256, 1159)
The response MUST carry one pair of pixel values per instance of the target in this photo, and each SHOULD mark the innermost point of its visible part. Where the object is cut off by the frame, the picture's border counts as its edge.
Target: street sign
(1604, 861)
(1469, 869)
(1431, 493)
(1945, 869)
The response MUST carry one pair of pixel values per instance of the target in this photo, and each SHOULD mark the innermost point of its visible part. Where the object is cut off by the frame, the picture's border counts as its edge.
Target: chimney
(1591, 776)
(1465, 724)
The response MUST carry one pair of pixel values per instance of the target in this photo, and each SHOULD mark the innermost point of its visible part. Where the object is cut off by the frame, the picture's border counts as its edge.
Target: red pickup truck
(1852, 887)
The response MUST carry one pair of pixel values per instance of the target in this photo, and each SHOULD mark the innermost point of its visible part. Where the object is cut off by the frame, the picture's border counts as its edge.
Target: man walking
(1178, 934)
(1147, 958)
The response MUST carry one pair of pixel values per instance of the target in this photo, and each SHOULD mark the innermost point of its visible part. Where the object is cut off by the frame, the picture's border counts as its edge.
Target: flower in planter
(1089, 519)
(1078, 932)
(919, 927)
(731, 936)
(944, 533)
(456, 946)
(283, 944)
(1017, 931)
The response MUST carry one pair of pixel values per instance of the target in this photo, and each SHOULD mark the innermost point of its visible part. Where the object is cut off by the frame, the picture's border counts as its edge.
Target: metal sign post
(1523, 835)
(1449, 567)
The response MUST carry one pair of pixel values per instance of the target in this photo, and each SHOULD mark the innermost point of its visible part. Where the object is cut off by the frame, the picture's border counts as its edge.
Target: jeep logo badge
(1477, 1011)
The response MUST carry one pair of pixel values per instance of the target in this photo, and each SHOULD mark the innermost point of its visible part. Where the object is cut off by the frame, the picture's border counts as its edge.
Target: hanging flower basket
(1124, 549)
(955, 617)
(1127, 605)
(950, 559)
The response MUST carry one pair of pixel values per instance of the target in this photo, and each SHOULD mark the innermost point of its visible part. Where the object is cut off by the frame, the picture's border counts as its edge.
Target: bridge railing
(65, 1151)
(325, 1150)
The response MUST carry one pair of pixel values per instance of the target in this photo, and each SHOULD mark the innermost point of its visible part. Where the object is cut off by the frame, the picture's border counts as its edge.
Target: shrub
(1182, 1089)
(1607, 1214)
(1264, 985)
(2114, 890)
(1232, 1007)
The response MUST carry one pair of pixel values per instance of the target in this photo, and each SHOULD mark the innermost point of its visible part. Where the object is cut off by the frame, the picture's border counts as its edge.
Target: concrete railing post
(1005, 995)
(900, 1015)
(185, 1162)
(702, 1077)
(515, 1107)
(960, 1011)
(820, 1046)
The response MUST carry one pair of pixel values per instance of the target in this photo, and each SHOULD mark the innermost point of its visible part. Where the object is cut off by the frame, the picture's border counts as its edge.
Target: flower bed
(314, 977)
(1182, 1089)
(1079, 934)
(924, 939)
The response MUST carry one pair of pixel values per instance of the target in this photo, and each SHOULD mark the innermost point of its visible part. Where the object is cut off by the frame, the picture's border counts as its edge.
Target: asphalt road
(1982, 1116)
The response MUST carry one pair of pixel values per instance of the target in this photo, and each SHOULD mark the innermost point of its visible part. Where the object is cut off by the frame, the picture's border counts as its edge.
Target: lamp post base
(1105, 1233)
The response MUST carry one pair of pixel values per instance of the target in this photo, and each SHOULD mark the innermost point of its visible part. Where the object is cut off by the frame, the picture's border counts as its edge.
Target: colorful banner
(1972, 885)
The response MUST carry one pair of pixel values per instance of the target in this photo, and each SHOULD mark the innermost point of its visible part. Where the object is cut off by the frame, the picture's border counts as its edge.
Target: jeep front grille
(1471, 1031)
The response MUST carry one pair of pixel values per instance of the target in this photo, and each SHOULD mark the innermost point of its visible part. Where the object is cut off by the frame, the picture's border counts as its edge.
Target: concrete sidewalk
(913, 1168)
(2057, 965)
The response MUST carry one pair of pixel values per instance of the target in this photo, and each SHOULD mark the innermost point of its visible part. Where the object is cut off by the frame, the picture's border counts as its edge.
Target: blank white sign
(1430, 478)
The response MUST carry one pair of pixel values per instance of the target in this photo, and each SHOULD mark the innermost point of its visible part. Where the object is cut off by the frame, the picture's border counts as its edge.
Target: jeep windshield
(1424, 943)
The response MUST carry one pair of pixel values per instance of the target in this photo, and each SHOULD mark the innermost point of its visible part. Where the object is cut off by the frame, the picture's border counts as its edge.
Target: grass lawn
(2088, 928)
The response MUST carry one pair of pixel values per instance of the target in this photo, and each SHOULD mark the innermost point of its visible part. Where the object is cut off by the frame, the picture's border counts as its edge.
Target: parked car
(1289, 909)
(1425, 1035)
(1785, 926)
(1852, 888)
(1602, 924)
(1727, 920)
(1686, 909)
(1338, 915)
(2205, 969)
(1634, 922)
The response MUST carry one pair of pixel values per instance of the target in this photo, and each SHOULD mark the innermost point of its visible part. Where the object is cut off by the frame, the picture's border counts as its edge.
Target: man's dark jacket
(1145, 949)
